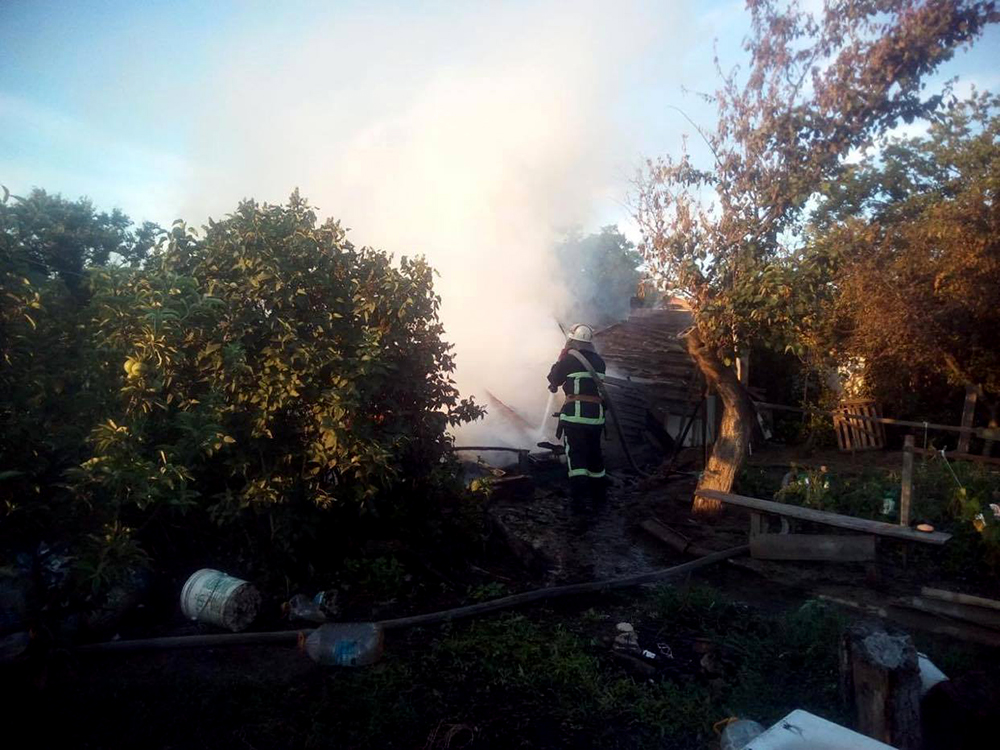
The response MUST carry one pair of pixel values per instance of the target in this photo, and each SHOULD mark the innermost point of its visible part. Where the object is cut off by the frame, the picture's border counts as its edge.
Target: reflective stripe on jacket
(575, 381)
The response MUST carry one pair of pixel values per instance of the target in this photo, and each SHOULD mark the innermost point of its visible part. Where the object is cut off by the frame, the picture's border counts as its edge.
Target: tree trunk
(880, 676)
(738, 422)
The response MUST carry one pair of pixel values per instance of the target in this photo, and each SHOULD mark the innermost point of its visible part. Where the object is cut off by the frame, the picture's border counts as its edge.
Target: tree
(272, 371)
(913, 232)
(600, 272)
(60, 238)
(726, 235)
(251, 384)
(49, 397)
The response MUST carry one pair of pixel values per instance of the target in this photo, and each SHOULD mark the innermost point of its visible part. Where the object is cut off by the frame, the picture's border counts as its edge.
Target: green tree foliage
(914, 234)
(59, 238)
(49, 395)
(726, 233)
(263, 375)
(601, 273)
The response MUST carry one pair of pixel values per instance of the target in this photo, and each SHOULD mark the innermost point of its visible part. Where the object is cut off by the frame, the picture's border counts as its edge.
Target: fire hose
(611, 407)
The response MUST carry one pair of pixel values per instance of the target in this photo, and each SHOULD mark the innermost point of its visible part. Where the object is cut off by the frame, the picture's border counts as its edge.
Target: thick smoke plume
(475, 139)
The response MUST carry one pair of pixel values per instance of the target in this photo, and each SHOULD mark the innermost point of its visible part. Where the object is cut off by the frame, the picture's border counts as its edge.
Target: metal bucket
(212, 596)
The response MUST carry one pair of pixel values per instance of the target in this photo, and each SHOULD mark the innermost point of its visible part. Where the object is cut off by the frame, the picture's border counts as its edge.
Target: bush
(961, 496)
(267, 380)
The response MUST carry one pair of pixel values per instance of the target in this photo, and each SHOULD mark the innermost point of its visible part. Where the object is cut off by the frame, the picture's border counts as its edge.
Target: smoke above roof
(475, 136)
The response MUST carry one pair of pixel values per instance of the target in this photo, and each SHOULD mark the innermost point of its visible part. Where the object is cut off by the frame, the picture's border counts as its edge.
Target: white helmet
(581, 332)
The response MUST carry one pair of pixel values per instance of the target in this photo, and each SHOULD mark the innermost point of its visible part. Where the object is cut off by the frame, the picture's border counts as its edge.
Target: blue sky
(132, 104)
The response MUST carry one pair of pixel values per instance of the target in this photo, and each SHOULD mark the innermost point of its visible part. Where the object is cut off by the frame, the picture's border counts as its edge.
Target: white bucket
(214, 597)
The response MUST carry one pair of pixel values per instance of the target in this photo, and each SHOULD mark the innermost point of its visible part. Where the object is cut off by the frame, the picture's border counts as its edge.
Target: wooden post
(906, 491)
(992, 424)
(881, 677)
(968, 414)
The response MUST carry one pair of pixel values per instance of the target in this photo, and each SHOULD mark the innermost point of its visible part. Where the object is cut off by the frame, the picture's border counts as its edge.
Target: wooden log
(906, 491)
(672, 538)
(880, 675)
(815, 547)
(968, 415)
(954, 596)
(978, 615)
(863, 525)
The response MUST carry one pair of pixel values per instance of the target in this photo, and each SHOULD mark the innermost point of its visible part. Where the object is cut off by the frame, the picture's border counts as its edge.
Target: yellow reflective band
(582, 420)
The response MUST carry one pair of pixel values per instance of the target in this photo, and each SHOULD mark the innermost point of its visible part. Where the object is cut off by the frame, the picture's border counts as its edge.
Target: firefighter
(581, 420)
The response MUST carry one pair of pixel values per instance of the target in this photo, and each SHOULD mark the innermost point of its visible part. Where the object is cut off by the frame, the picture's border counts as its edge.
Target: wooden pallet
(858, 434)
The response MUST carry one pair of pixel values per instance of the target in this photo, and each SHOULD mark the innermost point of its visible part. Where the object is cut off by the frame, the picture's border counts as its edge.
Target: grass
(545, 678)
(777, 663)
(511, 681)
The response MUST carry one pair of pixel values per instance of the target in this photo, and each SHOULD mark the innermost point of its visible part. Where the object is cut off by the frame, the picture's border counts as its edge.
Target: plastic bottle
(327, 603)
(347, 644)
(301, 607)
(738, 734)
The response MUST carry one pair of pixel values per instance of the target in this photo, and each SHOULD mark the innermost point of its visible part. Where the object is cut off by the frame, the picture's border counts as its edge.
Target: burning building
(659, 393)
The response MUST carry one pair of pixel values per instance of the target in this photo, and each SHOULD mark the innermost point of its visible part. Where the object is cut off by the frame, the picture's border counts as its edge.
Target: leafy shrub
(808, 487)
(242, 393)
(959, 496)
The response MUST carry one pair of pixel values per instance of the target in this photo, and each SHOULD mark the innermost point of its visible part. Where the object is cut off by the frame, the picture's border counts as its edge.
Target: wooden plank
(906, 491)
(814, 547)
(863, 525)
(672, 538)
(866, 433)
(843, 438)
(977, 615)
(756, 524)
(865, 437)
(640, 383)
(954, 596)
(968, 414)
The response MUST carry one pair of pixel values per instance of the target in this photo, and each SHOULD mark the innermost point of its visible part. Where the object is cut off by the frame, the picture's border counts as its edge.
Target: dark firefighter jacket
(569, 373)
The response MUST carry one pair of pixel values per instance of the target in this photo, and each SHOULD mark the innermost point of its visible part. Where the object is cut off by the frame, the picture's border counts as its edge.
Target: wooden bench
(822, 547)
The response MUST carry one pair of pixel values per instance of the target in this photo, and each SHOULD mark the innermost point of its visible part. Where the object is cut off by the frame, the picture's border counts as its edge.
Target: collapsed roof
(650, 374)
